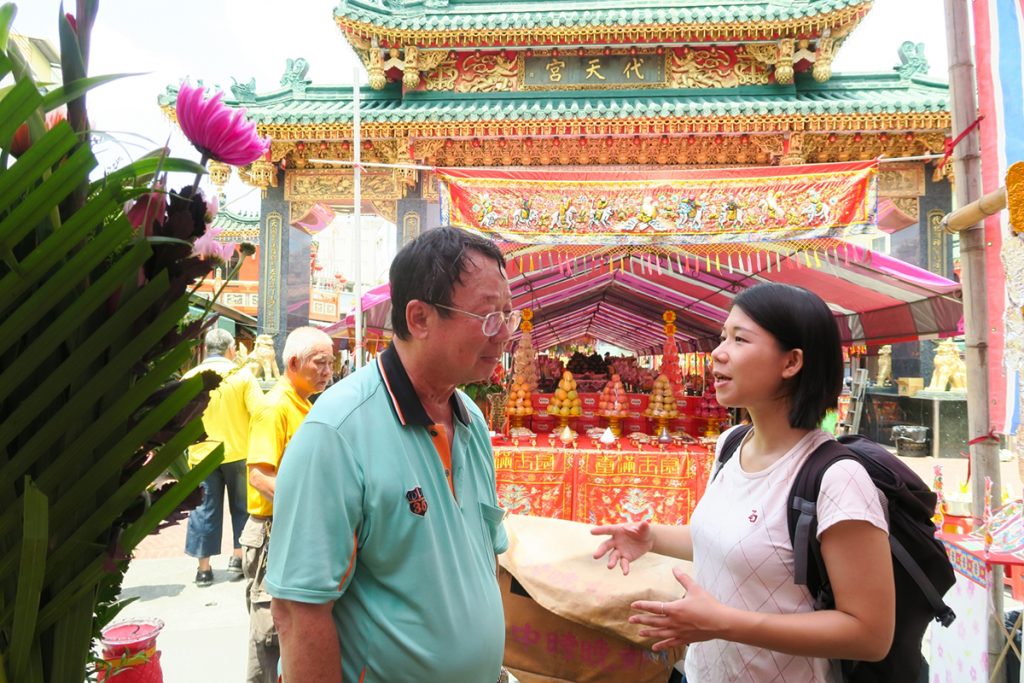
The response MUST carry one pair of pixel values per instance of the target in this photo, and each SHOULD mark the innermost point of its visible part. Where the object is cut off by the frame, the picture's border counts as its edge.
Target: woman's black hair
(799, 319)
(428, 267)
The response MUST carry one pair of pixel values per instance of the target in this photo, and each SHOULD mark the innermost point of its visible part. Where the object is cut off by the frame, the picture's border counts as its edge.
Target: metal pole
(967, 174)
(357, 213)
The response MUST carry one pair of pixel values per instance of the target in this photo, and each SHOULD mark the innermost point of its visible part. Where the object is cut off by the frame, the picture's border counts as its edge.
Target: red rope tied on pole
(991, 436)
(950, 145)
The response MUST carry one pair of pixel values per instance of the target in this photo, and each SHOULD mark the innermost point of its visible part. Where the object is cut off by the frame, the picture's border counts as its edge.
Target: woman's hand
(627, 542)
(693, 618)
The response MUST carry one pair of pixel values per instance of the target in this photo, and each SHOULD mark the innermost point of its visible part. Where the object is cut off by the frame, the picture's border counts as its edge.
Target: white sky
(215, 40)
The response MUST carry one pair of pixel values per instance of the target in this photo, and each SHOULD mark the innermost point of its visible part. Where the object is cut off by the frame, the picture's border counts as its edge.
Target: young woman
(742, 615)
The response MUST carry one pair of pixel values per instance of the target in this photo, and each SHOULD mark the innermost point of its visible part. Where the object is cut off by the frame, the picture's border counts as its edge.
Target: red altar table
(596, 484)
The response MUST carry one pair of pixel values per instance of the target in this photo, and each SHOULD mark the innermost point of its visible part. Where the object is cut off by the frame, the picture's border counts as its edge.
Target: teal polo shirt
(364, 516)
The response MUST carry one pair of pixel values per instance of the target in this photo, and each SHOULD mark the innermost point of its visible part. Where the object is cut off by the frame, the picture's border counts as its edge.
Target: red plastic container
(131, 637)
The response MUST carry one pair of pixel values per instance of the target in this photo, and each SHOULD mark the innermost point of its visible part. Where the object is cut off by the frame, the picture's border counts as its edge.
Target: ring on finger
(663, 609)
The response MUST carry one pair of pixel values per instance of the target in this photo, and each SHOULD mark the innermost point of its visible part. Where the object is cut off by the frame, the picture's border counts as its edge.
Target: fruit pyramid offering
(670, 362)
(613, 401)
(519, 398)
(663, 400)
(524, 362)
(565, 402)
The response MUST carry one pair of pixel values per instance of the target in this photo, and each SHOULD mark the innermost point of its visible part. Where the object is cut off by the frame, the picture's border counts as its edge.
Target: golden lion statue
(950, 370)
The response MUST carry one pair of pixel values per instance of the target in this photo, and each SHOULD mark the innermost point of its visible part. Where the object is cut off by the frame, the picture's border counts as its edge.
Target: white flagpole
(357, 214)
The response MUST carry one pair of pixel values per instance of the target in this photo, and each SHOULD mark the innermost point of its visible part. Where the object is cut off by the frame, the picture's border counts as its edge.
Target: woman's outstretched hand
(693, 618)
(626, 543)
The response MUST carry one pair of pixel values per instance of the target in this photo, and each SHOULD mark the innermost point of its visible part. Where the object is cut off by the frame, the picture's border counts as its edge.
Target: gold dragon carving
(443, 75)
(488, 73)
(715, 68)
(480, 73)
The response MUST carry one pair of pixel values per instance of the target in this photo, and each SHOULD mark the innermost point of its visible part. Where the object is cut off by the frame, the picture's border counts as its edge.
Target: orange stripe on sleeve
(351, 561)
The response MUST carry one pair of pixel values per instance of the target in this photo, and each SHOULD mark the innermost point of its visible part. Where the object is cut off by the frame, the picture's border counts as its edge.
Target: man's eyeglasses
(492, 322)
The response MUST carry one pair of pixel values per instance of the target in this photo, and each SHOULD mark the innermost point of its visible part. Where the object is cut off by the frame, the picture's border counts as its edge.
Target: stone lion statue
(950, 370)
(884, 376)
(263, 360)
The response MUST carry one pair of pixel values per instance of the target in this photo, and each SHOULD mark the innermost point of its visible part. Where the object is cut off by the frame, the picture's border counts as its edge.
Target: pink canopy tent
(376, 306)
(619, 297)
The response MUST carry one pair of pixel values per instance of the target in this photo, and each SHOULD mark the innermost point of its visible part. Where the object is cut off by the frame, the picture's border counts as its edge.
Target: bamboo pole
(967, 217)
(984, 453)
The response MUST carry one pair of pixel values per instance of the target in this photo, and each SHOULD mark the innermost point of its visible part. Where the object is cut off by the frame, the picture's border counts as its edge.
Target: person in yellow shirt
(308, 359)
(226, 421)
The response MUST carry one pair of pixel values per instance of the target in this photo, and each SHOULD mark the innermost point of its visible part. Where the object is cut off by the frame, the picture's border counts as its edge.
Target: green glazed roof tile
(843, 94)
(526, 14)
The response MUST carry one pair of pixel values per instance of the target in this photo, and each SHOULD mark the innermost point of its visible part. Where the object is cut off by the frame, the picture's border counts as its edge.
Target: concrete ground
(205, 633)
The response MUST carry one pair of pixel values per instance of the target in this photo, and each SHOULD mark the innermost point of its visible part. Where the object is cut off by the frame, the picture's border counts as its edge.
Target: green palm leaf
(91, 337)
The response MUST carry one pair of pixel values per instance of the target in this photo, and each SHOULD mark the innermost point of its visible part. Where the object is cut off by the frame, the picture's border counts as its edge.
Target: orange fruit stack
(663, 400)
(565, 402)
(519, 398)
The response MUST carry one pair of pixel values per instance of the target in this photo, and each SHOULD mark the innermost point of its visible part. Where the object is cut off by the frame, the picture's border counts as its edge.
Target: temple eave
(457, 33)
(556, 126)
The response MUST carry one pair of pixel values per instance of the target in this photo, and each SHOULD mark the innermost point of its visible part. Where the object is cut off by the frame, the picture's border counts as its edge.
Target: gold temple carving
(337, 185)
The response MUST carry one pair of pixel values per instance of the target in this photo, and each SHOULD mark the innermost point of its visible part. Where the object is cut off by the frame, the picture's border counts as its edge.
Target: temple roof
(237, 226)
(843, 94)
(469, 22)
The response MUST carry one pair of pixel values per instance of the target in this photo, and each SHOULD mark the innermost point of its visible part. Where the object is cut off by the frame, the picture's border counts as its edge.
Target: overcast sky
(214, 40)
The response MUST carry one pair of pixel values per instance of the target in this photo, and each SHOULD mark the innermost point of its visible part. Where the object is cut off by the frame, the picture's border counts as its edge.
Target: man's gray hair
(218, 342)
(301, 341)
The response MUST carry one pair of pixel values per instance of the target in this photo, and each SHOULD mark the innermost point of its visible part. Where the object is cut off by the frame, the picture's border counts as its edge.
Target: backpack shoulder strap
(729, 447)
(803, 515)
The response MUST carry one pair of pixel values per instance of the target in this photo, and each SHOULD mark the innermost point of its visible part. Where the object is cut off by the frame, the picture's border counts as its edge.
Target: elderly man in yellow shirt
(308, 355)
(226, 420)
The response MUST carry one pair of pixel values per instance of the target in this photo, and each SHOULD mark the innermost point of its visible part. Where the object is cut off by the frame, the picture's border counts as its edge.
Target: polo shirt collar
(404, 400)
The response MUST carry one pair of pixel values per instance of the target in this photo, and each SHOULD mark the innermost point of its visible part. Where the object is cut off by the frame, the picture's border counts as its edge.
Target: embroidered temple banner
(663, 207)
(602, 486)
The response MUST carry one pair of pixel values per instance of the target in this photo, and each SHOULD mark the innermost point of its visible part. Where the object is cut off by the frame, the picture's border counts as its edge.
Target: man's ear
(794, 363)
(418, 315)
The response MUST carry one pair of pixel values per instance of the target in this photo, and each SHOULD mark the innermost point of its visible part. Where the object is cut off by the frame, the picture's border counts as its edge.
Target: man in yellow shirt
(308, 355)
(226, 420)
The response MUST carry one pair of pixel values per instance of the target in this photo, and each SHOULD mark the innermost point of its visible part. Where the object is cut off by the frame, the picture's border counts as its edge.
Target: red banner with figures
(663, 207)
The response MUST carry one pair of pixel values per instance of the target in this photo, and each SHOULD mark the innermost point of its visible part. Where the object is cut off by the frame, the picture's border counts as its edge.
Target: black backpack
(921, 567)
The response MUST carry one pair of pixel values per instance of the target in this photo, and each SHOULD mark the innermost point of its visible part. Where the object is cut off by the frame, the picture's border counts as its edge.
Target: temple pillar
(412, 216)
(936, 246)
(284, 270)
(419, 210)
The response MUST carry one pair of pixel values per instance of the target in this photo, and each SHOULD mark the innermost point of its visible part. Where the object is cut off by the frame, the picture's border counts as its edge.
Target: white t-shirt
(743, 557)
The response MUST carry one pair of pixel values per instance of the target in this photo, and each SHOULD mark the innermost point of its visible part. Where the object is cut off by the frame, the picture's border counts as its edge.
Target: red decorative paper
(535, 481)
(602, 485)
(660, 487)
(662, 207)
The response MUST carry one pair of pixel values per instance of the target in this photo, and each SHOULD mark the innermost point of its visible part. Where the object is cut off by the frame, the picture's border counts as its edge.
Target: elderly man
(308, 356)
(226, 421)
(383, 566)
